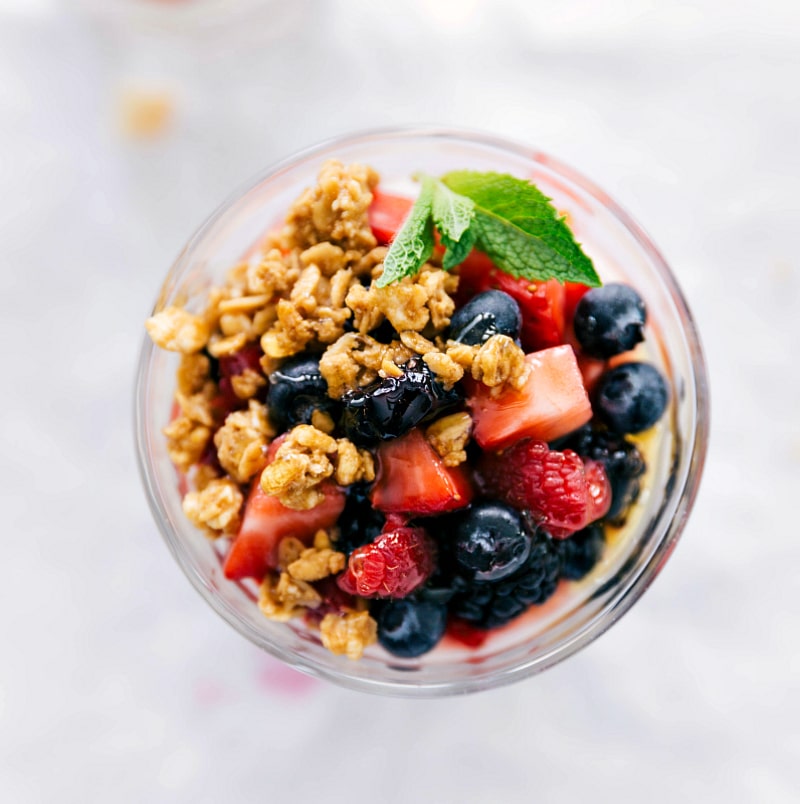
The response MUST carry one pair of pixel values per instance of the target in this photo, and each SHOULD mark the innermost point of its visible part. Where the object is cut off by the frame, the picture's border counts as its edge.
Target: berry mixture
(396, 450)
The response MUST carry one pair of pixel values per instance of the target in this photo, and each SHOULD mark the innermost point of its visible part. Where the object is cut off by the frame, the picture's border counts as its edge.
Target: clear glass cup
(675, 450)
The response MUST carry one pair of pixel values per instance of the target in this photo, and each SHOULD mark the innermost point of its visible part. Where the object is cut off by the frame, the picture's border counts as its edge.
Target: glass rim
(684, 494)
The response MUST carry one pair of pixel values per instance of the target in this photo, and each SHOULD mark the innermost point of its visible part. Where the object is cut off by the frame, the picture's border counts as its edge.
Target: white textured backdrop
(117, 683)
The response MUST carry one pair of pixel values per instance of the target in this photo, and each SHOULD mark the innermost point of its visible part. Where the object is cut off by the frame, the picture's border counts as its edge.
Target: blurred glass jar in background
(171, 61)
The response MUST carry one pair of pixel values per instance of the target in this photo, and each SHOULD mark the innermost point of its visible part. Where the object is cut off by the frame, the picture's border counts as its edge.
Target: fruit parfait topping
(407, 417)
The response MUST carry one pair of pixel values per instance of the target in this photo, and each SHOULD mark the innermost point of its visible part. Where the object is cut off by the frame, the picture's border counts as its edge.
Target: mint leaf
(457, 251)
(413, 243)
(520, 230)
(453, 215)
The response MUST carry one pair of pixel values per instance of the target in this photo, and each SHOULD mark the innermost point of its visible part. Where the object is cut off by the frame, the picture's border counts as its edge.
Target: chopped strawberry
(542, 304)
(552, 403)
(542, 307)
(554, 486)
(266, 521)
(475, 276)
(573, 293)
(386, 215)
(413, 479)
(592, 369)
(399, 561)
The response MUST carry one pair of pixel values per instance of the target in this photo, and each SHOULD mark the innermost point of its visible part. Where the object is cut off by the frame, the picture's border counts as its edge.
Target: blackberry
(581, 552)
(490, 604)
(609, 320)
(490, 313)
(359, 523)
(392, 406)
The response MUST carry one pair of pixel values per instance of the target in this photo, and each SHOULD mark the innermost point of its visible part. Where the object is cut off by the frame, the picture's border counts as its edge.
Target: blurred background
(123, 124)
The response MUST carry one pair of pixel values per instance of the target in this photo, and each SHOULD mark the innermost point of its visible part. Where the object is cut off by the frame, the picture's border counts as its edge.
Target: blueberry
(409, 628)
(390, 407)
(631, 398)
(490, 313)
(609, 320)
(491, 541)
(296, 390)
(581, 552)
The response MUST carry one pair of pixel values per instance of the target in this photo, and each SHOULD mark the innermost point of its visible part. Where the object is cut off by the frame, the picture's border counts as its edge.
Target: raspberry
(553, 486)
(399, 561)
(623, 463)
(599, 489)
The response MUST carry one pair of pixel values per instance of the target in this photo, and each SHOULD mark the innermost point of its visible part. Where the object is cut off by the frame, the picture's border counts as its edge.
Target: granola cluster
(216, 506)
(415, 303)
(288, 592)
(449, 436)
(497, 363)
(177, 330)
(305, 459)
(242, 441)
(349, 634)
(310, 288)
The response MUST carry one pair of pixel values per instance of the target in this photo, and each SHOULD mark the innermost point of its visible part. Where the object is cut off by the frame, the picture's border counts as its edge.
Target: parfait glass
(675, 449)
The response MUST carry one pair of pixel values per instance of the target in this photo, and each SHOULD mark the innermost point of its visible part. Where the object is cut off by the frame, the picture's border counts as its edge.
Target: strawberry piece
(573, 293)
(592, 369)
(399, 561)
(552, 485)
(413, 479)
(266, 521)
(475, 275)
(542, 304)
(552, 403)
(386, 215)
(542, 307)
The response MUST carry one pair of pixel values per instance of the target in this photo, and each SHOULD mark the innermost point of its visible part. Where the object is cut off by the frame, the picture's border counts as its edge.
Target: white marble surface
(116, 681)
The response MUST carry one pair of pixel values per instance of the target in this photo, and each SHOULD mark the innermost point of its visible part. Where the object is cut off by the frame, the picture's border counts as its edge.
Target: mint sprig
(508, 218)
